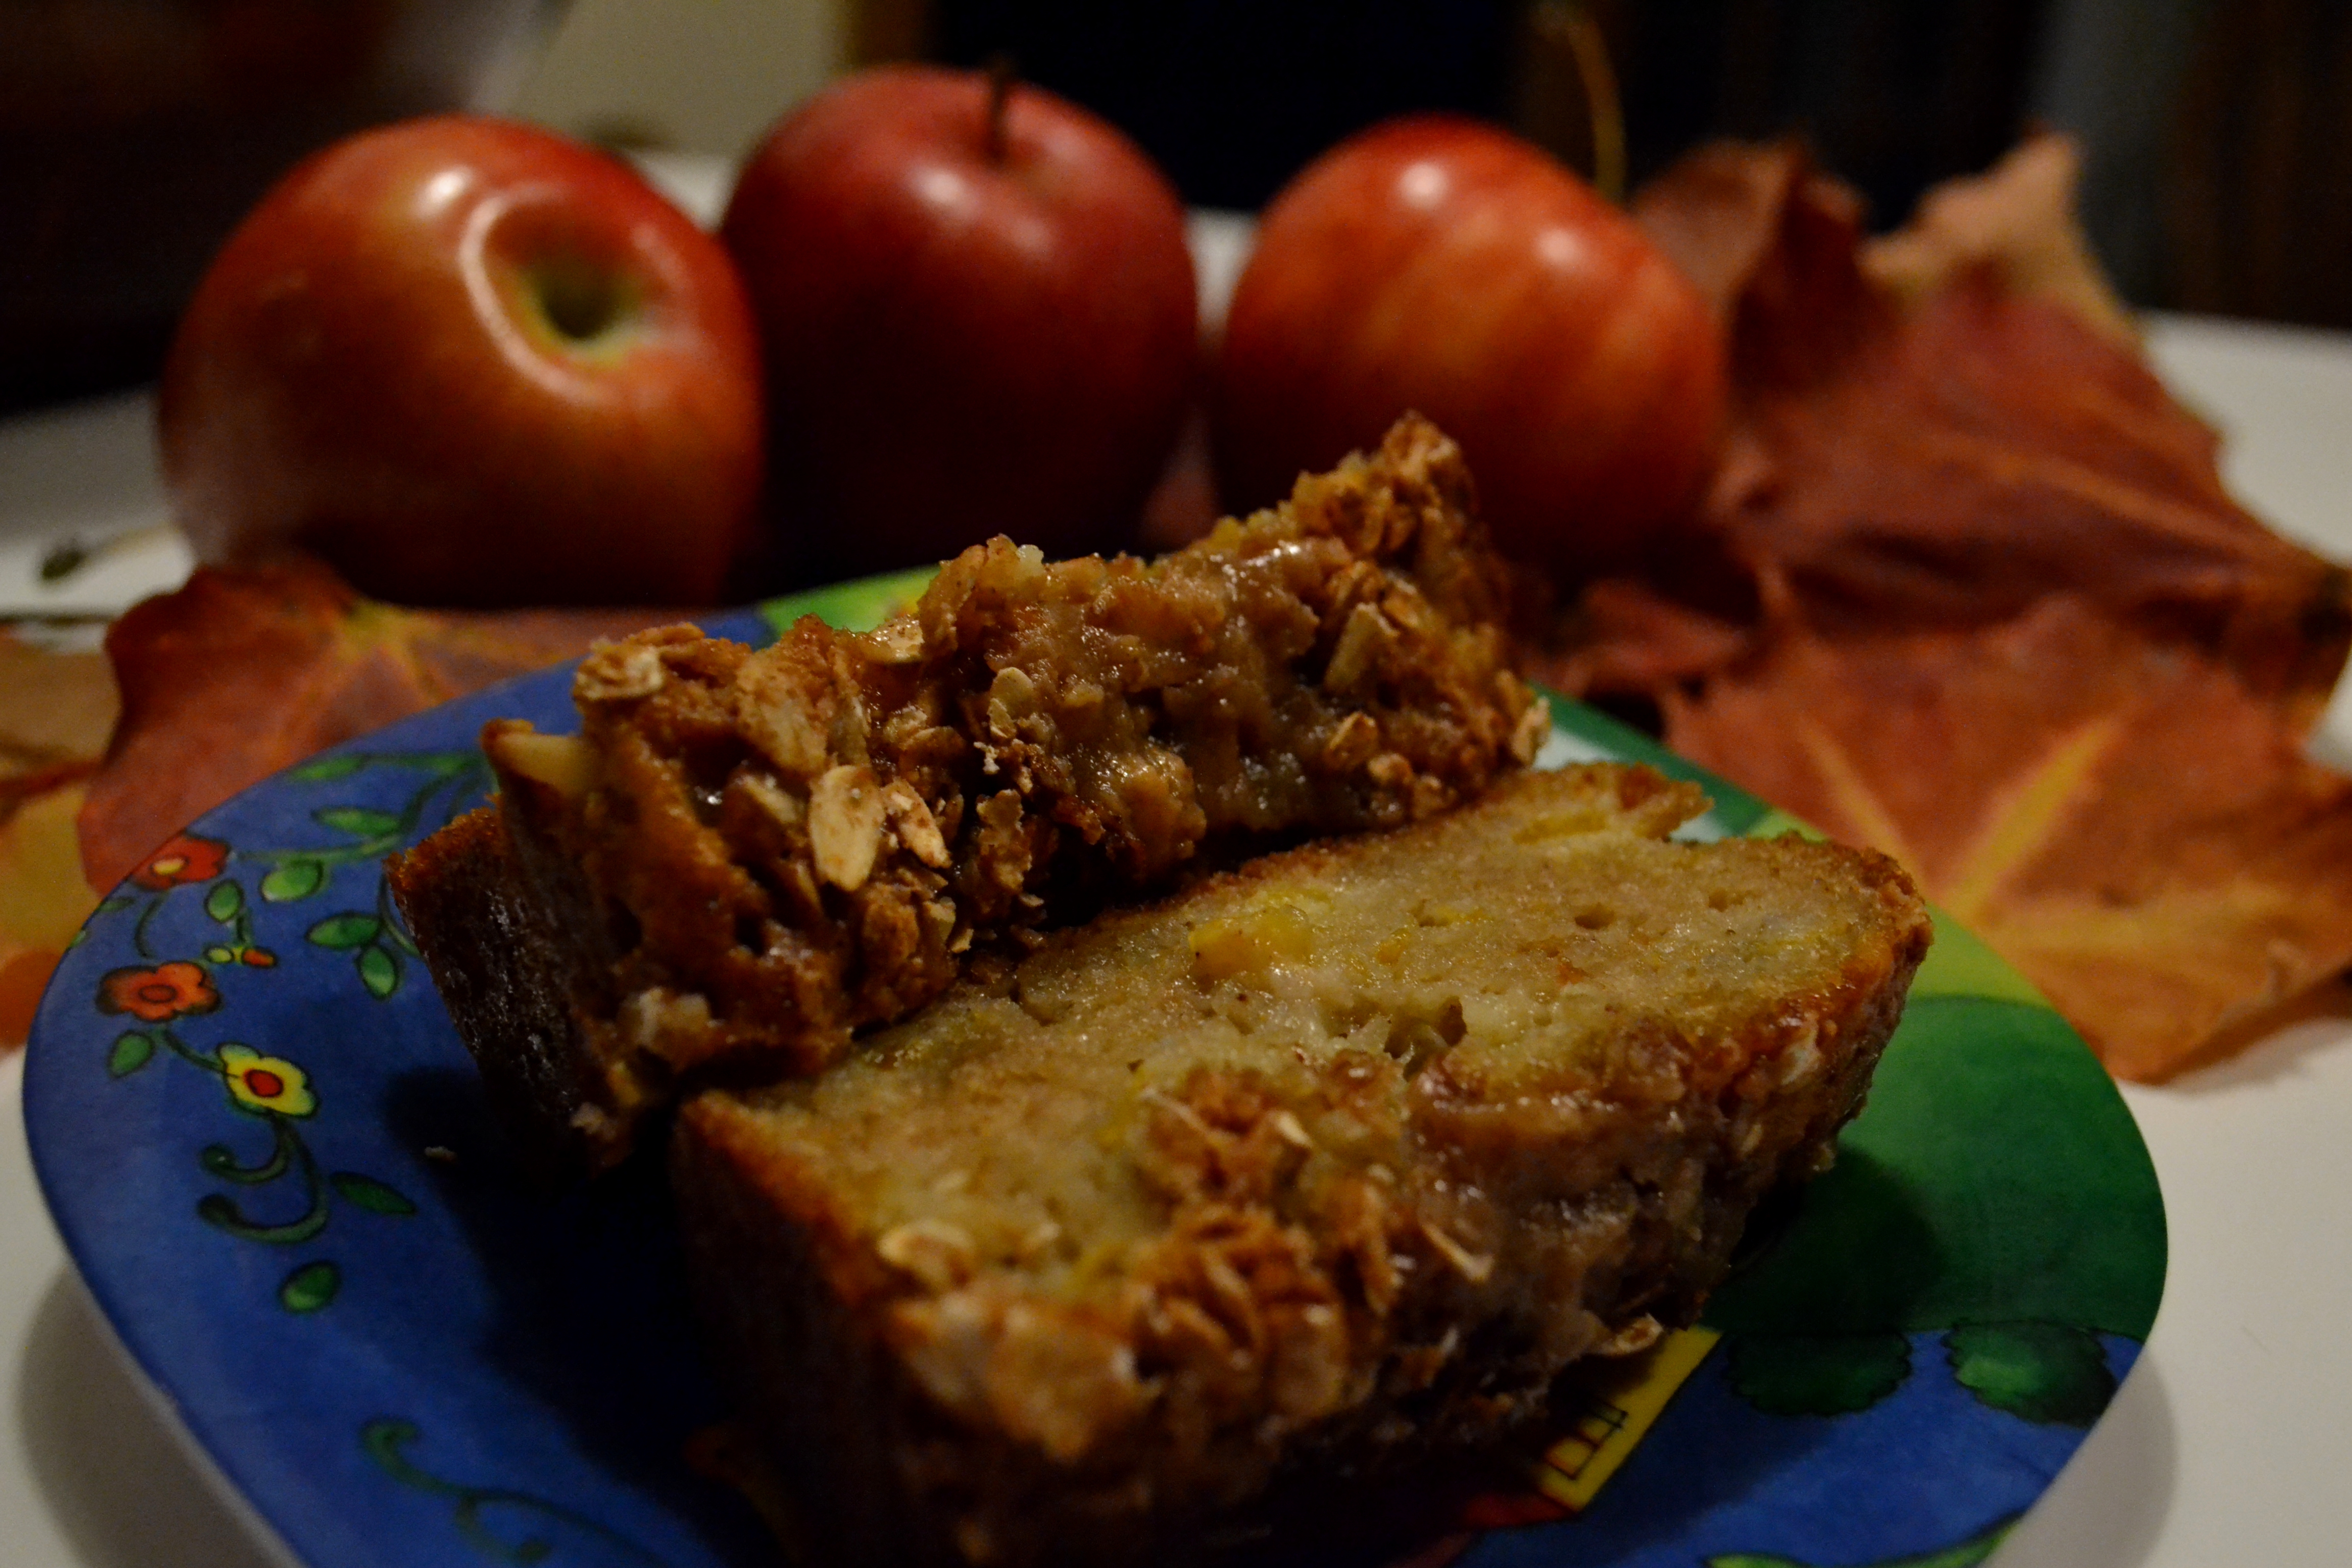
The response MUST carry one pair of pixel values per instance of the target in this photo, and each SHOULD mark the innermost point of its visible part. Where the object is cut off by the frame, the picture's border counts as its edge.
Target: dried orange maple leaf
(2017, 218)
(242, 673)
(1954, 459)
(1991, 451)
(2121, 820)
(1990, 608)
(43, 898)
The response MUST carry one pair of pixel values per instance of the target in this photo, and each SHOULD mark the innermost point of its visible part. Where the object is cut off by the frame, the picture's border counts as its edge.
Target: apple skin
(468, 362)
(960, 345)
(1437, 264)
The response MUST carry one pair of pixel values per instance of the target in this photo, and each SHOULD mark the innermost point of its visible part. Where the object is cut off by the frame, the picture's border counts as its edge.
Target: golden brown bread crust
(464, 898)
(750, 855)
(1203, 1191)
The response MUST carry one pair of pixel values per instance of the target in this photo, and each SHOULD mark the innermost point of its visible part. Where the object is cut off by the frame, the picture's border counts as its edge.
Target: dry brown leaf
(57, 709)
(1991, 451)
(241, 673)
(43, 897)
(1769, 237)
(1993, 609)
(2121, 820)
(1625, 637)
(1775, 247)
(2017, 218)
(1955, 460)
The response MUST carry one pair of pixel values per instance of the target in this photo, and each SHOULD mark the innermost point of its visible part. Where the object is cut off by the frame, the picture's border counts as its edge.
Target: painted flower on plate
(159, 995)
(260, 1083)
(184, 859)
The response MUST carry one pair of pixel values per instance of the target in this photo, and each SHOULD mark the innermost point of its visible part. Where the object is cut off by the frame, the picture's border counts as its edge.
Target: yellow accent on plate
(1619, 1402)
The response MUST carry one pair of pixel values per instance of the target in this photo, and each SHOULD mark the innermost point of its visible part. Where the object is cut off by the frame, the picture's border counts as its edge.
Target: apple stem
(1570, 24)
(1001, 79)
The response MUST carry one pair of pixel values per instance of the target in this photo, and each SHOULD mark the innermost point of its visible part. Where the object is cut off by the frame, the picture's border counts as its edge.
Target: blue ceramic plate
(267, 1154)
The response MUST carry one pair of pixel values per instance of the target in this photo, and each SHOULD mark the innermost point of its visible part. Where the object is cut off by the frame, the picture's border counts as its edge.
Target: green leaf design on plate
(311, 1286)
(1819, 1375)
(2044, 1373)
(344, 931)
(359, 821)
(1775, 823)
(130, 1052)
(385, 1440)
(1996, 1176)
(293, 879)
(853, 606)
(323, 770)
(215, 1210)
(379, 972)
(221, 1160)
(224, 902)
(370, 1194)
(1961, 964)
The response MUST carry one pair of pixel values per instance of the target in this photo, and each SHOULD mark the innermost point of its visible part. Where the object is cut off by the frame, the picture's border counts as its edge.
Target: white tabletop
(2227, 1443)
(2225, 1446)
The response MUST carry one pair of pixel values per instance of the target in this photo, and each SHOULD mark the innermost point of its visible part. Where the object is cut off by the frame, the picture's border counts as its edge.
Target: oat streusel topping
(768, 850)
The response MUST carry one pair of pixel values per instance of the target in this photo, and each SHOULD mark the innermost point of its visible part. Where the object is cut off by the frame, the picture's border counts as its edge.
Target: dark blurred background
(2218, 137)
(134, 133)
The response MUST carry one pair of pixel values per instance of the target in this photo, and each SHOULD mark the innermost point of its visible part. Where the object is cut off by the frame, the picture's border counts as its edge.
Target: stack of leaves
(1969, 587)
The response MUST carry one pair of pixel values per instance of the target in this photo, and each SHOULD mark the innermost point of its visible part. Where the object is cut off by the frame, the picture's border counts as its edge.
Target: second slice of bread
(1347, 1154)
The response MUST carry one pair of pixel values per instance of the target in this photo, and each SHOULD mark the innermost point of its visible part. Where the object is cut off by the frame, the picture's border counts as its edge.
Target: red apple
(471, 363)
(978, 316)
(1433, 263)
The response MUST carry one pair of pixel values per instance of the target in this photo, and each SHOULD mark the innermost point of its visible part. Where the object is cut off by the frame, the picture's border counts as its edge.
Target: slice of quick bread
(744, 857)
(1341, 1156)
